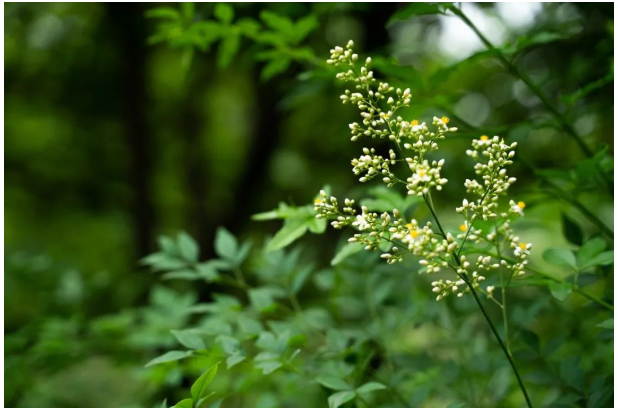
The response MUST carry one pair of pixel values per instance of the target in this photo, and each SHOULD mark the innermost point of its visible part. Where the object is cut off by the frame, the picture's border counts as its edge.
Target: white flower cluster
(372, 165)
(383, 123)
(495, 181)
(412, 141)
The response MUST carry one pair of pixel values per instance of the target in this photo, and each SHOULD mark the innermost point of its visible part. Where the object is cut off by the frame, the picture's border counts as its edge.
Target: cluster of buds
(447, 287)
(495, 181)
(425, 175)
(327, 207)
(372, 165)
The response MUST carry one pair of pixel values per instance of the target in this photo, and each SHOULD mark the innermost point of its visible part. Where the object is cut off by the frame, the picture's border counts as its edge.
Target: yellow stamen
(463, 227)
(421, 173)
(410, 226)
(317, 201)
(445, 119)
(521, 205)
(523, 246)
(414, 122)
(484, 138)
(414, 234)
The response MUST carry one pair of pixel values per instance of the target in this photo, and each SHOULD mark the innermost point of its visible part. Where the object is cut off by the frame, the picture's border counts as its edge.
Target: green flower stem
(502, 345)
(480, 305)
(576, 288)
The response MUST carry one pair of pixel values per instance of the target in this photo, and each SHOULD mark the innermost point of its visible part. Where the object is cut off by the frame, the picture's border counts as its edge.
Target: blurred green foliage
(123, 121)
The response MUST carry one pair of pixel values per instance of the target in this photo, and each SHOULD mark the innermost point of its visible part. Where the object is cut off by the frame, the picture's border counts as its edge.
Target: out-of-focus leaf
(278, 23)
(227, 49)
(169, 357)
(607, 324)
(226, 244)
(370, 387)
(345, 252)
(275, 66)
(189, 339)
(602, 259)
(234, 359)
(292, 229)
(333, 382)
(414, 9)
(589, 250)
(187, 247)
(339, 398)
(304, 26)
(300, 277)
(224, 12)
(560, 257)
(169, 13)
(560, 290)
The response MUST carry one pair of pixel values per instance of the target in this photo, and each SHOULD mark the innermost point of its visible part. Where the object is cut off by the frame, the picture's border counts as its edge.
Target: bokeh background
(111, 141)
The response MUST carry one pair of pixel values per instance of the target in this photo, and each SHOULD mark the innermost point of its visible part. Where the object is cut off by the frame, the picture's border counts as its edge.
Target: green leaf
(207, 271)
(337, 399)
(269, 367)
(181, 274)
(164, 262)
(560, 290)
(316, 225)
(273, 214)
(227, 49)
(243, 252)
(226, 244)
(560, 257)
(589, 250)
(602, 259)
(304, 26)
(370, 387)
(414, 9)
(280, 24)
(345, 252)
(202, 400)
(333, 382)
(275, 66)
(607, 324)
(169, 357)
(187, 247)
(189, 339)
(234, 359)
(292, 229)
(199, 387)
(185, 403)
(188, 10)
(265, 296)
(300, 277)
(571, 231)
(571, 372)
(169, 13)
(224, 12)
(168, 245)
(249, 326)
(229, 344)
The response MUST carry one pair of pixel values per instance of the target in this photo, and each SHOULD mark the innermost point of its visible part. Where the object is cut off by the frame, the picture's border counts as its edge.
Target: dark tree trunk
(130, 35)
